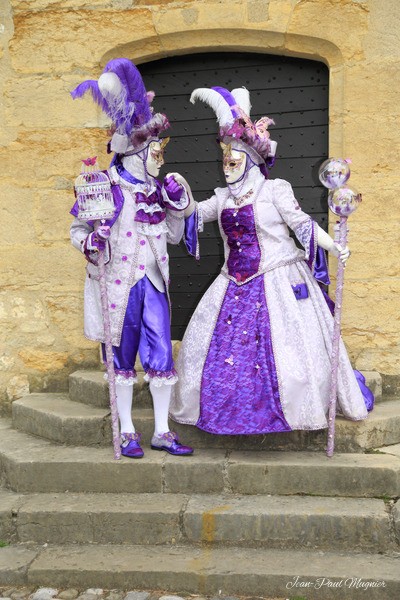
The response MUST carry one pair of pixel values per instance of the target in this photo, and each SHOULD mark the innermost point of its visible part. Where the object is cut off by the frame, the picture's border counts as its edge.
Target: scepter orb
(334, 172)
(344, 200)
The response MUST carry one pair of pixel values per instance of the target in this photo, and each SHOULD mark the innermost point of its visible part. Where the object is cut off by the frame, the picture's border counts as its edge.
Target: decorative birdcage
(93, 193)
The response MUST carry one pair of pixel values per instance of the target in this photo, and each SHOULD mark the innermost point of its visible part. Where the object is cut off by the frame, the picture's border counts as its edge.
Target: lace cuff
(306, 233)
(200, 220)
(123, 377)
(180, 204)
(159, 378)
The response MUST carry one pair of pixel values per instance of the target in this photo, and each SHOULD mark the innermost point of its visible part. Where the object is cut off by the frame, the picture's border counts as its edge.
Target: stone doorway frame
(262, 42)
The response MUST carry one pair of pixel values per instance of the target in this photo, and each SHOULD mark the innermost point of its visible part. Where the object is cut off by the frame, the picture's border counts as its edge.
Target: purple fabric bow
(155, 201)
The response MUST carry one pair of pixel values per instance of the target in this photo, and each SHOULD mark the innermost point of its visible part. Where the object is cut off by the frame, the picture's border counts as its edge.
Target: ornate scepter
(96, 203)
(343, 201)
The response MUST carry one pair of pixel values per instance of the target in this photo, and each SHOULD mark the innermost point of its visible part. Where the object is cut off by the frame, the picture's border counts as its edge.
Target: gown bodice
(239, 227)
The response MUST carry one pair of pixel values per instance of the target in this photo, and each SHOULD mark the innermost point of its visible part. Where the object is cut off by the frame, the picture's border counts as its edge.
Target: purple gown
(255, 357)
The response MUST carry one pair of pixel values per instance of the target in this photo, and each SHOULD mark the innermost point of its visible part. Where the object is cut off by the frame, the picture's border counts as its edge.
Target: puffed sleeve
(176, 226)
(208, 210)
(287, 205)
(303, 226)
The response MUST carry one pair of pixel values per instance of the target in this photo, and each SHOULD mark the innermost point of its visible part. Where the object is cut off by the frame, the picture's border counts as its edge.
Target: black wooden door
(294, 92)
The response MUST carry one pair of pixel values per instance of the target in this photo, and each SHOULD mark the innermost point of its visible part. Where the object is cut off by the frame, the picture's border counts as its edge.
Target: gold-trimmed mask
(234, 163)
(157, 153)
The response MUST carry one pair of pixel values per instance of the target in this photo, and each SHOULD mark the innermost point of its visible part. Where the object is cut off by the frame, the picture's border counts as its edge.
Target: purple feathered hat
(121, 94)
(233, 114)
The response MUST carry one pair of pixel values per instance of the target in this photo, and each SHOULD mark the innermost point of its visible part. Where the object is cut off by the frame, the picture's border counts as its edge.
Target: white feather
(216, 102)
(114, 93)
(242, 97)
(110, 84)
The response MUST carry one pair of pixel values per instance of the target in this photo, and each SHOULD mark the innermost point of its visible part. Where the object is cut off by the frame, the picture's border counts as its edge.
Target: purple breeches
(146, 329)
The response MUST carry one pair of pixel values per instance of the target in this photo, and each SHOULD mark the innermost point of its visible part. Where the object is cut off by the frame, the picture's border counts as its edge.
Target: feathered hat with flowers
(121, 94)
(233, 114)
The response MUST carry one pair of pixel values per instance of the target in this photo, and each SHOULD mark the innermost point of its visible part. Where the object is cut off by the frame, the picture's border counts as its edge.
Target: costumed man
(255, 357)
(147, 216)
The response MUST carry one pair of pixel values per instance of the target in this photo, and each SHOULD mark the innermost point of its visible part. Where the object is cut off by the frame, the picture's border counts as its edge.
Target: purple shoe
(170, 443)
(130, 446)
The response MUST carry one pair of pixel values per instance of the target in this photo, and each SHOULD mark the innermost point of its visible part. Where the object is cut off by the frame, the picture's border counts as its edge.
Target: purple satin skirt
(239, 389)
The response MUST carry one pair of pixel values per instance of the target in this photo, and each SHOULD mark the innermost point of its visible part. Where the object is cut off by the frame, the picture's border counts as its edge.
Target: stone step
(31, 464)
(55, 417)
(284, 522)
(89, 387)
(207, 571)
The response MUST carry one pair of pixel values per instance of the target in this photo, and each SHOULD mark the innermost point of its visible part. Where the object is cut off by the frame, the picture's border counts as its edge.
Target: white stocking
(124, 405)
(161, 399)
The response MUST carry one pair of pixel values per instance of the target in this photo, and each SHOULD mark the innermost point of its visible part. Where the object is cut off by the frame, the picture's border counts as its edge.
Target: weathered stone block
(54, 417)
(52, 219)
(24, 103)
(196, 474)
(17, 387)
(17, 202)
(51, 35)
(346, 25)
(288, 522)
(371, 88)
(396, 518)
(32, 464)
(56, 266)
(101, 518)
(202, 16)
(187, 569)
(309, 473)
(91, 388)
(14, 565)
(257, 11)
(30, 153)
(26, 5)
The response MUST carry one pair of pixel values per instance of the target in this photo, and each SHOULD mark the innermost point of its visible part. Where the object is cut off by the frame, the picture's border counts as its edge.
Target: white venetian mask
(155, 156)
(234, 163)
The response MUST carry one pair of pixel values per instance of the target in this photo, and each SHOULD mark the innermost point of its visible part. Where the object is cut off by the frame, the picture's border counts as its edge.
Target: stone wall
(49, 46)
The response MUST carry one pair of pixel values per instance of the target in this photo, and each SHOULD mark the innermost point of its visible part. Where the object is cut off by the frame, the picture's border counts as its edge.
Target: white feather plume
(110, 85)
(114, 93)
(242, 97)
(216, 102)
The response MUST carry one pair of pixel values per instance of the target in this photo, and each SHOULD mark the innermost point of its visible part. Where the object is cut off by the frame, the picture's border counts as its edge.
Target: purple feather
(132, 81)
(132, 109)
(227, 96)
(91, 85)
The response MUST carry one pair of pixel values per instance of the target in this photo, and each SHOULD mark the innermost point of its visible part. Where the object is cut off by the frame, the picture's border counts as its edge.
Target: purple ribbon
(122, 172)
(229, 99)
(321, 267)
(191, 234)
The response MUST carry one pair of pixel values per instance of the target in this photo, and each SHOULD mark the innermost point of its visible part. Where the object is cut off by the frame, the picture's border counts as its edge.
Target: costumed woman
(147, 216)
(255, 357)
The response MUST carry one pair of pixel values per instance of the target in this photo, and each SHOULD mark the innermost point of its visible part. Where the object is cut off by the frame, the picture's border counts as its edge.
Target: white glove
(341, 253)
(327, 243)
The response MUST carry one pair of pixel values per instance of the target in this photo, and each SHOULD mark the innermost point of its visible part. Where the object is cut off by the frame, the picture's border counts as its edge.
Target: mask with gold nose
(234, 163)
(155, 156)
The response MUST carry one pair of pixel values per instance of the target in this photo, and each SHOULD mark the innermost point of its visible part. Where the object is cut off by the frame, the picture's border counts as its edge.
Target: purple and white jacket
(137, 247)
